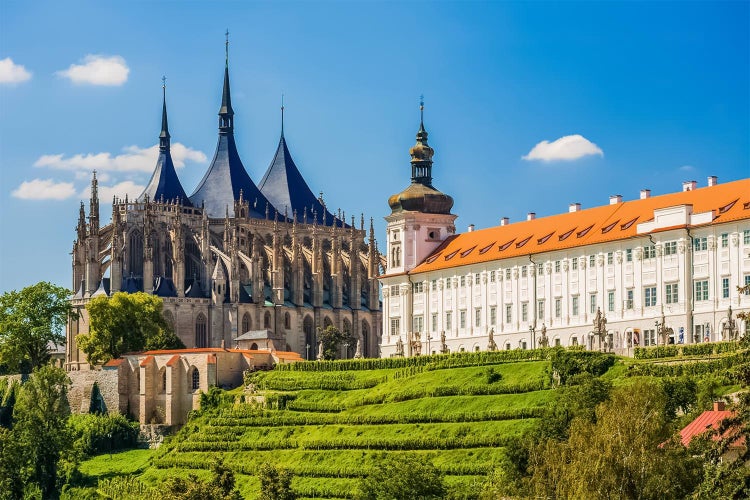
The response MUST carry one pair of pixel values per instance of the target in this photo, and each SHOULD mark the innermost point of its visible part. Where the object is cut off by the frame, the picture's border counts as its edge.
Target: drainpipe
(410, 312)
(533, 337)
(689, 290)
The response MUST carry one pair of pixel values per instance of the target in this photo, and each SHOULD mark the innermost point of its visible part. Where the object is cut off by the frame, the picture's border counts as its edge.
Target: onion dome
(421, 196)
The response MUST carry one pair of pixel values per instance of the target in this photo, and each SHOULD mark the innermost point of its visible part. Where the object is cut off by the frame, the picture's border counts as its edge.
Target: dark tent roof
(221, 185)
(164, 183)
(285, 188)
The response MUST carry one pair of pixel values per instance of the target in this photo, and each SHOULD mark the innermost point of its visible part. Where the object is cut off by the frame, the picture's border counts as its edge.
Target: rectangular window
(449, 320)
(574, 341)
(557, 342)
(476, 279)
(508, 313)
(394, 289)
(417, 323)
(418, 287)
(434, 322)
(649, 252)
(592, 303)
(592, 260)
(462, 318)
(724, 288)
(524, 271)
(434, 285)
(539, 269)
(557, 266)
(507, 274)
(463, 281)
(724, 240)
(630, 299)
(649, 296)
(574, 264)
(610, 258)
(477, 317)
(574, 306)
(701, 290)
(670, 248)
(558, 308)
(747, 284)
(649, 337)
(448, 283)
(628, 255)
(493, 315)
(525, 311)
(611, 301)
(746, 237)
(395, 326)
(671, 295)
(700, 244)
(539, 309)
(492, 276)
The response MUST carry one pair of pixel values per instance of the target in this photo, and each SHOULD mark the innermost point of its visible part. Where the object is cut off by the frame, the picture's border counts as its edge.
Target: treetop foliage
(126, 322)
(31, 320)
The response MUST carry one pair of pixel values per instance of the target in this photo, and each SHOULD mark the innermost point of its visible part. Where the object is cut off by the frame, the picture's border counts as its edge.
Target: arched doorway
(365, 339)
(310, 344)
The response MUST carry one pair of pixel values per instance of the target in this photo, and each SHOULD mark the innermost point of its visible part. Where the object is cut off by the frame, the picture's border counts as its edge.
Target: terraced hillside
(330, 427)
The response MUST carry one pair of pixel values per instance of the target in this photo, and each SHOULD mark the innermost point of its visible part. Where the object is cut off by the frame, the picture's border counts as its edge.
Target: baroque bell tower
(421, 217)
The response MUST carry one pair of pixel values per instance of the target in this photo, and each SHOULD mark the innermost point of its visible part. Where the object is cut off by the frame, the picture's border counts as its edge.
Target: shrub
(566, 363)
(94, 434)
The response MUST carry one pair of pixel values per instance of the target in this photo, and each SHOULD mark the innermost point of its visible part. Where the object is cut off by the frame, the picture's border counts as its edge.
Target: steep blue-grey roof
(226, 176)
(287, 190)
(164, 184)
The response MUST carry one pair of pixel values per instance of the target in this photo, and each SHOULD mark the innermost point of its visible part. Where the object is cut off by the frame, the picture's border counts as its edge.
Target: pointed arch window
(195, 379)
(287, 321)
(201, 331)
(245, 322)
(267, 320)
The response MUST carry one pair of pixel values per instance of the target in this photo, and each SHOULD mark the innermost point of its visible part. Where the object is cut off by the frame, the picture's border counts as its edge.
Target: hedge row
(359, 443)
(283, 420)
(694, 368)
(328, 382)
(671, 351)
(431, 362)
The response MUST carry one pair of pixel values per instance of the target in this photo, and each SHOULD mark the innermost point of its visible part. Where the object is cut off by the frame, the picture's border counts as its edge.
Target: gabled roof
(286, 189)
(710, 420)
(723, 203)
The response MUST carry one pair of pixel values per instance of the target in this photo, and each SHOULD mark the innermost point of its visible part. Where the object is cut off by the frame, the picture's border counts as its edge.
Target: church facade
(234, 257)
(650, 271)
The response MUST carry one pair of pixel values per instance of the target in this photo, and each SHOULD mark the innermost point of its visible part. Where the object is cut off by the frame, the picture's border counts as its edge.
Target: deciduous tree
(275, 483)
(125, 322)
(332, 338)
(408, 476)
(31, 320)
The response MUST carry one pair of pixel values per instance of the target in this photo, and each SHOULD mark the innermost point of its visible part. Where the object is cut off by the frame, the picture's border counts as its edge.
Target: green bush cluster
(326, 382)
(566, 363)
(94, 434)
(8, 394)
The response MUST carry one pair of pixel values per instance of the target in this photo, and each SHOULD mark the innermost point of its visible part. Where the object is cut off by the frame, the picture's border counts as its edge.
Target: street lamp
(532, 334)
(346, 350)
(307, 352)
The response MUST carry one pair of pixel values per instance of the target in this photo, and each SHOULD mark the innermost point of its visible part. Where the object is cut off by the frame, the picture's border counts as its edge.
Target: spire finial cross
(421, 108)
(163, 82)
(282, 113)
(226, 47)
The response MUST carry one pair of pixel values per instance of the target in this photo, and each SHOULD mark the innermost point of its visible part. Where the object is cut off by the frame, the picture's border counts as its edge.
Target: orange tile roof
(729, 202)
(173, 360)
(112, 363)
(146, 361)
(211, 359)
(706, 421)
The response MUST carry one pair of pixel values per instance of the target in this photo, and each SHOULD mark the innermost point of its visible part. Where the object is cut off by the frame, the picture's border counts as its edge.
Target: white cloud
(98, 70)
(121, 189)
(11, 72)
(687, 168)
(569, 147)
(133, 159)
(44, 189)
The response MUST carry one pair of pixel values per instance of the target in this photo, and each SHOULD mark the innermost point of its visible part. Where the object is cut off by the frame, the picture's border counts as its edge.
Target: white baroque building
(674, 260)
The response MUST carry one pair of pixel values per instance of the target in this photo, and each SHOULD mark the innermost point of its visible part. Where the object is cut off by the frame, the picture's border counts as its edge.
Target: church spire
(226, 113)
(421, 153)
(164, 135)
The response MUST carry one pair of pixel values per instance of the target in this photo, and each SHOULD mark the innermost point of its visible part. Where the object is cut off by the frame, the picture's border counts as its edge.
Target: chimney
(615, 199)
(574, 207)
(689, 185)
(504, 221)
(471, 228)
(719, 406)
(712, 180)
(531, 216)
(645, 193)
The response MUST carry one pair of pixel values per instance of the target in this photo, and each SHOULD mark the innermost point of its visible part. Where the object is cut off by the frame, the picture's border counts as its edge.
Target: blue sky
(658, 93)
